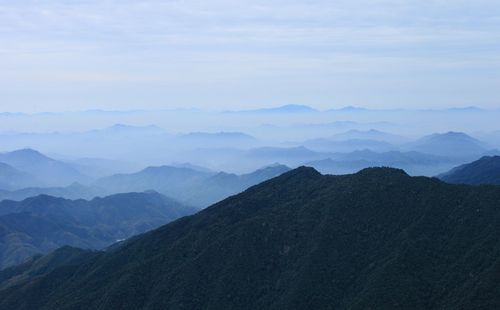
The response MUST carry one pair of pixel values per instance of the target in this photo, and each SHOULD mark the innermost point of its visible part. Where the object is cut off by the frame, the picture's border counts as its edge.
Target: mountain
(377, 239)
(123, 129)
(289, 108)
(288, 155)
(172, 181)
(11, 178)
(483, 171)
(371, 134)
(73, 191)
(452, 144)
(414, 163)
(218, 139)
(192, 186)
(350, 109)
(48, 171)
(350, 145)
(43, 223)
(223, 185)
(101, 167)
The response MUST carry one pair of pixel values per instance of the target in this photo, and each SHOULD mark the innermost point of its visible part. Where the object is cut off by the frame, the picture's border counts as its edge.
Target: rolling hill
(377, 239)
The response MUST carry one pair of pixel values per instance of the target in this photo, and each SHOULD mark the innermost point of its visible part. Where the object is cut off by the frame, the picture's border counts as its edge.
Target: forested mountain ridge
(376, 239)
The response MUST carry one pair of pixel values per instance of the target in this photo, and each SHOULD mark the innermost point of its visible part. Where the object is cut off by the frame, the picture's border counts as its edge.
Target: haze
(79, 55)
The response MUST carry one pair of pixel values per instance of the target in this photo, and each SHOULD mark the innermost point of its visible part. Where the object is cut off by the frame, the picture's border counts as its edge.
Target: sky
(60, 55)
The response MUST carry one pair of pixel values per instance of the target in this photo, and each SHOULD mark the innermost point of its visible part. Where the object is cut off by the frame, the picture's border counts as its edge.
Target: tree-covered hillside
(378, 239)
(483, 171)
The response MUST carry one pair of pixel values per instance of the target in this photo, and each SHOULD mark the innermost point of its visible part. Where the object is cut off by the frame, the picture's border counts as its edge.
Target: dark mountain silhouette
(48, 171)
(44, 223)
(377, 239)
(483, 171)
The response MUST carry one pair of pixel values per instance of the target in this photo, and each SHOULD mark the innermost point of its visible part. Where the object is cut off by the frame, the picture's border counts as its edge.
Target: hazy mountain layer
(74, 191)
(451, 144)
(12, 178)
(44, 223)
(414, 163)
(45, 170)
(194, 187)
(377, 239)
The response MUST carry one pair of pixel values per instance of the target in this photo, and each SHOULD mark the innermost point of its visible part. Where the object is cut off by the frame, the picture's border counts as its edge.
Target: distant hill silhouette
(452, 144)
(48, 171)
(73, 191)
(12, 178)
(289, 108)
(415, 163)
(192, 186)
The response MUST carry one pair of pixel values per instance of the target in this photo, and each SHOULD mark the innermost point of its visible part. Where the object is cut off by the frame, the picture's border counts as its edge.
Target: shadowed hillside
(483, 171)
(377, 239)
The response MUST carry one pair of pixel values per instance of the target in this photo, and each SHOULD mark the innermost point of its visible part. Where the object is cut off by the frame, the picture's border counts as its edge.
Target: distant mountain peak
(120, 126)
(287, 108)
(27, 151)
(351, 108)
(295, 108)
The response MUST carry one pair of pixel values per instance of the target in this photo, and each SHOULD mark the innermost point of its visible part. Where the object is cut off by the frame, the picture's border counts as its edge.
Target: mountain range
(415, 163)
(43, 223)
(377, 239)
(191, 186)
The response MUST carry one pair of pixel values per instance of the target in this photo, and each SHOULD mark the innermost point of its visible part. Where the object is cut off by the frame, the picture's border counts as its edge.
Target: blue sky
(121, 54)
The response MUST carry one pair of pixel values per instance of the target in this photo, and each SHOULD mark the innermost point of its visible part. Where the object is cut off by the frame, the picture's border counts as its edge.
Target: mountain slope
(192, 186)
(73, 191)
(11, 178)
(378, 239)
(453, 144)
(44, 223)
(483, 171)
(49, 171)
